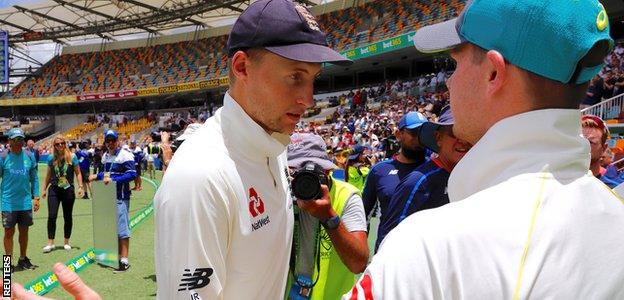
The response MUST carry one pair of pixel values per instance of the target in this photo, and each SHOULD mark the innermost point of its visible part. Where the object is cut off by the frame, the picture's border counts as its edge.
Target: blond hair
(62, 155)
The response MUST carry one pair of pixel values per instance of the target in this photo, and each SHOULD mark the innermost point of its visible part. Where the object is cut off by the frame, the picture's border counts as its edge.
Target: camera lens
(306, 186)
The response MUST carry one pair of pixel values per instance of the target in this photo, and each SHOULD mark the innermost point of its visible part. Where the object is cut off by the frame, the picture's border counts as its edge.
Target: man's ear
(397, 134)
(496, 71)
(438, 136)
(240, 64)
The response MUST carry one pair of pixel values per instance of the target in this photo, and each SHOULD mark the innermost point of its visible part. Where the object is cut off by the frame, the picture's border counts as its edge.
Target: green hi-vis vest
(357, 176)
(334, 278)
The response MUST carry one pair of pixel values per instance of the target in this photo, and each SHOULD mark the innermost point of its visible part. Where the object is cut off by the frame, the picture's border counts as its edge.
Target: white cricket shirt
(532, 223)
(224, 216)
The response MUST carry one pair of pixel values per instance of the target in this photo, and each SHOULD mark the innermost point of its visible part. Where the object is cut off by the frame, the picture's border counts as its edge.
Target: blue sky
(7, 3)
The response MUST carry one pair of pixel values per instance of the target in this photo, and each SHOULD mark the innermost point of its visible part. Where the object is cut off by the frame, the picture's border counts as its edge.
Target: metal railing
(607, 109)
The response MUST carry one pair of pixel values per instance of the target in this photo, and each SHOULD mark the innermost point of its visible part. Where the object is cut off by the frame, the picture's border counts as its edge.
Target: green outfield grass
(138, 283)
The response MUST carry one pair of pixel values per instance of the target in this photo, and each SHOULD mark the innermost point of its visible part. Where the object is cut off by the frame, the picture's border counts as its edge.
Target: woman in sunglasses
(59, 183)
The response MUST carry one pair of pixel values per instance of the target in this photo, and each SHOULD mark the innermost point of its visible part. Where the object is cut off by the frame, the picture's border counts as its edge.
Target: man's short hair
(545, 90)
(589, 121)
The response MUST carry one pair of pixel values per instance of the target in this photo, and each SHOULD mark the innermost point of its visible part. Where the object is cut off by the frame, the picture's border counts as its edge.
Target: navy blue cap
(427, 132)
(284, 28)
(356, 152)
(412, 120)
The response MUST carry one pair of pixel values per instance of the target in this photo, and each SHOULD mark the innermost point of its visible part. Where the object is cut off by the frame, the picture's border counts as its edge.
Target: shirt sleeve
(369, 195)
(353, 214)
(193, 224)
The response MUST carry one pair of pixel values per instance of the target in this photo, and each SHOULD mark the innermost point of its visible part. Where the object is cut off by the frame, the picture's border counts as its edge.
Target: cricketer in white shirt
(224, 216)
(532, 223)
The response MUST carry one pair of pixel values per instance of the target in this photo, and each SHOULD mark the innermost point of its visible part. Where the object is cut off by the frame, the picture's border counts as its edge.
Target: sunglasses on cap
(110, 140)
(18, 139)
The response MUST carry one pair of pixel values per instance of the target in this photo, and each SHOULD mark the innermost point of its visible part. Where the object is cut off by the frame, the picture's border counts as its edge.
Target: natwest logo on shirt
(256, 208)
(256, 205)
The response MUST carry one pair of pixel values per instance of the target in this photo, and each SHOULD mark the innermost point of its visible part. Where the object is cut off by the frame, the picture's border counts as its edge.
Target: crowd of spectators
(610, 81)
(368, 117)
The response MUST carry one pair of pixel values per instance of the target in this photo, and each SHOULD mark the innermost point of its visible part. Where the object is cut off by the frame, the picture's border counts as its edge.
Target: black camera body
(307, 181)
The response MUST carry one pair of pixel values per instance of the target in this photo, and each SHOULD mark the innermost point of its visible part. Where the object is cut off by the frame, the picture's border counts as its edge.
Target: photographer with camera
(325, 269)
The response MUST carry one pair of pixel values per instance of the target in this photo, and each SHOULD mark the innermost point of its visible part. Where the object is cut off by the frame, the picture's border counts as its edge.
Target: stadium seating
(189, 61)
(378, 20)
(128, 129)
(75, 134)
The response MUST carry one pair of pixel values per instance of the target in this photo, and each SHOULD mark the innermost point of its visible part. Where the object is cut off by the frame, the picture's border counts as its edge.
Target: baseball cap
(599, 122)
(356, 152)
(111, 134)
(307, 147)
(15, 133)
(284, 28)
(427, 132)
(412, 120)
(548, 38)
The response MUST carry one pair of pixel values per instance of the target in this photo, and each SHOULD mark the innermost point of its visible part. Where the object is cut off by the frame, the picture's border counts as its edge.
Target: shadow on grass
(151, 277)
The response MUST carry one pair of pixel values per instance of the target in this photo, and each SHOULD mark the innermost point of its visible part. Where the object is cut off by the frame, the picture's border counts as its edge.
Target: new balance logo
(393, 172)
(195, 280)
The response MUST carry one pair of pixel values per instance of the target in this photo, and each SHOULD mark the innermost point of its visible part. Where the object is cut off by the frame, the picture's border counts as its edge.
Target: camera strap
(300, 257)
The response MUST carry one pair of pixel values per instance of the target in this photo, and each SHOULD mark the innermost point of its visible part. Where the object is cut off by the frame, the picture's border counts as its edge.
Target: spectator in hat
(342, 250)
(426, 186)
(386, 175)
(119, 168)
(20, 195)
(596, 132)
(358, 166)
(226, 189)
(526, 219)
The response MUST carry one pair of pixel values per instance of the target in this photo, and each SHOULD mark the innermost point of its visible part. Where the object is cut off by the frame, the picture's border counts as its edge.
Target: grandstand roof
(63, 21)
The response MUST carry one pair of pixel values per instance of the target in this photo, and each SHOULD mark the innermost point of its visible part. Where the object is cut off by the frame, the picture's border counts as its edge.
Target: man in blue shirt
(20, 194)
(84, 159)
(119, 168)
(425, 187)
(385, 176)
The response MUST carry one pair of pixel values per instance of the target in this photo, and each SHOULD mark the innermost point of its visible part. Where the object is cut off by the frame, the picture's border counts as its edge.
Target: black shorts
(85, 175)
(138, 169)
(21, 217)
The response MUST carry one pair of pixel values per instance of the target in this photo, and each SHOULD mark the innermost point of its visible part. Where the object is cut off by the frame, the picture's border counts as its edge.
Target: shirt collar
(546, 140)
(246, 135)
